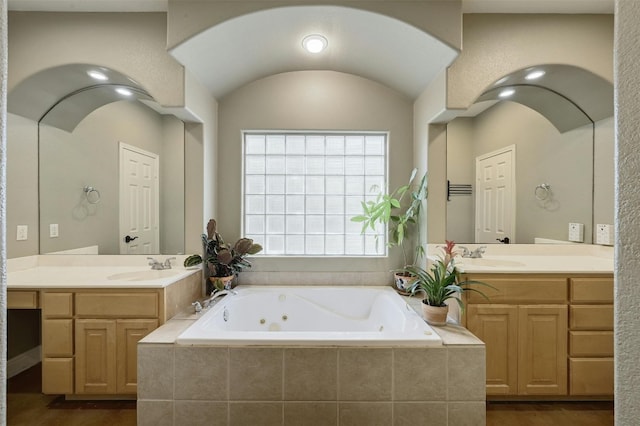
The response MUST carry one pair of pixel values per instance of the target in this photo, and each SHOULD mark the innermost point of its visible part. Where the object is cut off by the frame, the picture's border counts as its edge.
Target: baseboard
(24, 361)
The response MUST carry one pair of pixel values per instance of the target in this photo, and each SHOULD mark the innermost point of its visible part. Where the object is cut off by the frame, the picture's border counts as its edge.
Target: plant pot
(435, 315)
(403, 282)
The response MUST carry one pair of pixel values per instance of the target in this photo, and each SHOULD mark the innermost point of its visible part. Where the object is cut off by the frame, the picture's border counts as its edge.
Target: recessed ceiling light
(506, 93)
(533, 75)
(314, 43)
(97, 75)
(123, 91)
(502, 80)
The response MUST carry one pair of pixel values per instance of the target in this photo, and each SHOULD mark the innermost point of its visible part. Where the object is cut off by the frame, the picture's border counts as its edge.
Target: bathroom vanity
(547, 323)
(93, 315)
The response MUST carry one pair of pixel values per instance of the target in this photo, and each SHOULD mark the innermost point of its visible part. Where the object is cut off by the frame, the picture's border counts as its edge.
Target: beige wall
(311, 100)
(441, 19)
(194, 187)
(627, 290)
(461, 170)
(132, 43)
(497, 45)
(90, 156)
(604, 172)
(429, 150)
(172, 187)
(201, 188)
(22, 184)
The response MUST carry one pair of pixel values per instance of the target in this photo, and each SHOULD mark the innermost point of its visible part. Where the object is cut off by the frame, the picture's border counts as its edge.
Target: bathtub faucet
(216, 295)
(475, 254)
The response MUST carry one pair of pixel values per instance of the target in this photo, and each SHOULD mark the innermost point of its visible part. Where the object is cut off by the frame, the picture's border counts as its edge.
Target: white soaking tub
(311, 316)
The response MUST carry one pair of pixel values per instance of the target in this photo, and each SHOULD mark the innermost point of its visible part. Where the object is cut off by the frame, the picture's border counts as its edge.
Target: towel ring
(542, 191)
(92, 194)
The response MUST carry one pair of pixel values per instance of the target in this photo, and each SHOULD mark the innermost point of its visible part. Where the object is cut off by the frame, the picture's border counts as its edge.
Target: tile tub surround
(224, 385)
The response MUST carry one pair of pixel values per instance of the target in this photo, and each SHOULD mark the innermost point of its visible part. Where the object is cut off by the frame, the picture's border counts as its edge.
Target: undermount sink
(489, 262)
(149, 274)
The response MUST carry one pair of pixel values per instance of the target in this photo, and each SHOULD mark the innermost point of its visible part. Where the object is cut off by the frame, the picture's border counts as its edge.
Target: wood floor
(26, 406)
(550, 413)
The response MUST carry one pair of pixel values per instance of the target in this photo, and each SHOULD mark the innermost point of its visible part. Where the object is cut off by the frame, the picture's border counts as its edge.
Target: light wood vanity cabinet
(90, 333)
(57, 342)
(545, 335)
(524, 327)
(22, 299)
(591, 336)
(89, 339)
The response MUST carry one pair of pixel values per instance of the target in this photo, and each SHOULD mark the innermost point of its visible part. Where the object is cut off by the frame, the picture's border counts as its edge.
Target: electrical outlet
(53, 230)
(22, 233)
(576, 232)
(604, 234)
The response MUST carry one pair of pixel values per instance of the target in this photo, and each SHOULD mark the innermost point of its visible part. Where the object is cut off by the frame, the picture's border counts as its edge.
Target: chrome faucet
(159, 266)
(155, 265)
(217, 295)
(473, 254)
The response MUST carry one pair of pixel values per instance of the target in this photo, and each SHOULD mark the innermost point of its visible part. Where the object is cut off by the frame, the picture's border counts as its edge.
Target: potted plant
(403, 218)
(440, 284)
(222, 261)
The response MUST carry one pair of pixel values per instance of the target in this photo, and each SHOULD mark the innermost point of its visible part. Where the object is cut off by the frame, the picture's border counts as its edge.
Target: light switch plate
(576, 232)
(22, 232)
(604, 234)
(53, 230)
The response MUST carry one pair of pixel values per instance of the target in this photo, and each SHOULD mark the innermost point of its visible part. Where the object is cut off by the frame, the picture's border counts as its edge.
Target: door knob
(128, 239)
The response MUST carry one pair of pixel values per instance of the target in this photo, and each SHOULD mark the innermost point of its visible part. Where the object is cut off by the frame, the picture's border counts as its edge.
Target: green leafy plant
(222, 259)
(392, 209)
(442, 282)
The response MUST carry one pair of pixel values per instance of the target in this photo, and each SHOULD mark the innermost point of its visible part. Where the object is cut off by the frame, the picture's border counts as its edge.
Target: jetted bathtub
(311, 316)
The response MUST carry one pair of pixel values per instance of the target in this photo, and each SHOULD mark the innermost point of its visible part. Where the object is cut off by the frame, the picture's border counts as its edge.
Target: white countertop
(91, 271)
(535, 258)
(536, 264)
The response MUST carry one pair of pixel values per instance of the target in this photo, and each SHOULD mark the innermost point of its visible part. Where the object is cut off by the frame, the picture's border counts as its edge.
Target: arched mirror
(532, 159)
(110, 163)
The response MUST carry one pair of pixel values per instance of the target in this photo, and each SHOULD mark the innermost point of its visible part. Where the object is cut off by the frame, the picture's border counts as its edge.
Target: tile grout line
(228, 385)
(338, 387)
(283, 384)
(393, 385)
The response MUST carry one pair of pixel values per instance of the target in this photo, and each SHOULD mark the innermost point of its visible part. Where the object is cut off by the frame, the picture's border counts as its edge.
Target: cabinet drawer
(22, 299)
(120, 305)
(57, 305)
(57, 376)
(591, 290)
(519, 290)
(594, 317)
(591, 376)
(57, 338)
(591, 343)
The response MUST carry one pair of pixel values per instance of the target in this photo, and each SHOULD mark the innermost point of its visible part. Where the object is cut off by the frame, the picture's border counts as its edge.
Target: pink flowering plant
(442, 281)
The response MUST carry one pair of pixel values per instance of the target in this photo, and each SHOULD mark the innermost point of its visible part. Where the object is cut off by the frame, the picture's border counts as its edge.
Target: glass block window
(301, 190)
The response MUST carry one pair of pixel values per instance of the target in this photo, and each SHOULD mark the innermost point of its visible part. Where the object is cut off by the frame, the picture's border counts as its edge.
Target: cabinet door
(497, 327)
(57, 376)
(129, 332)
(591, 376)
(95, 356)
(57, 338)
(542, 350)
